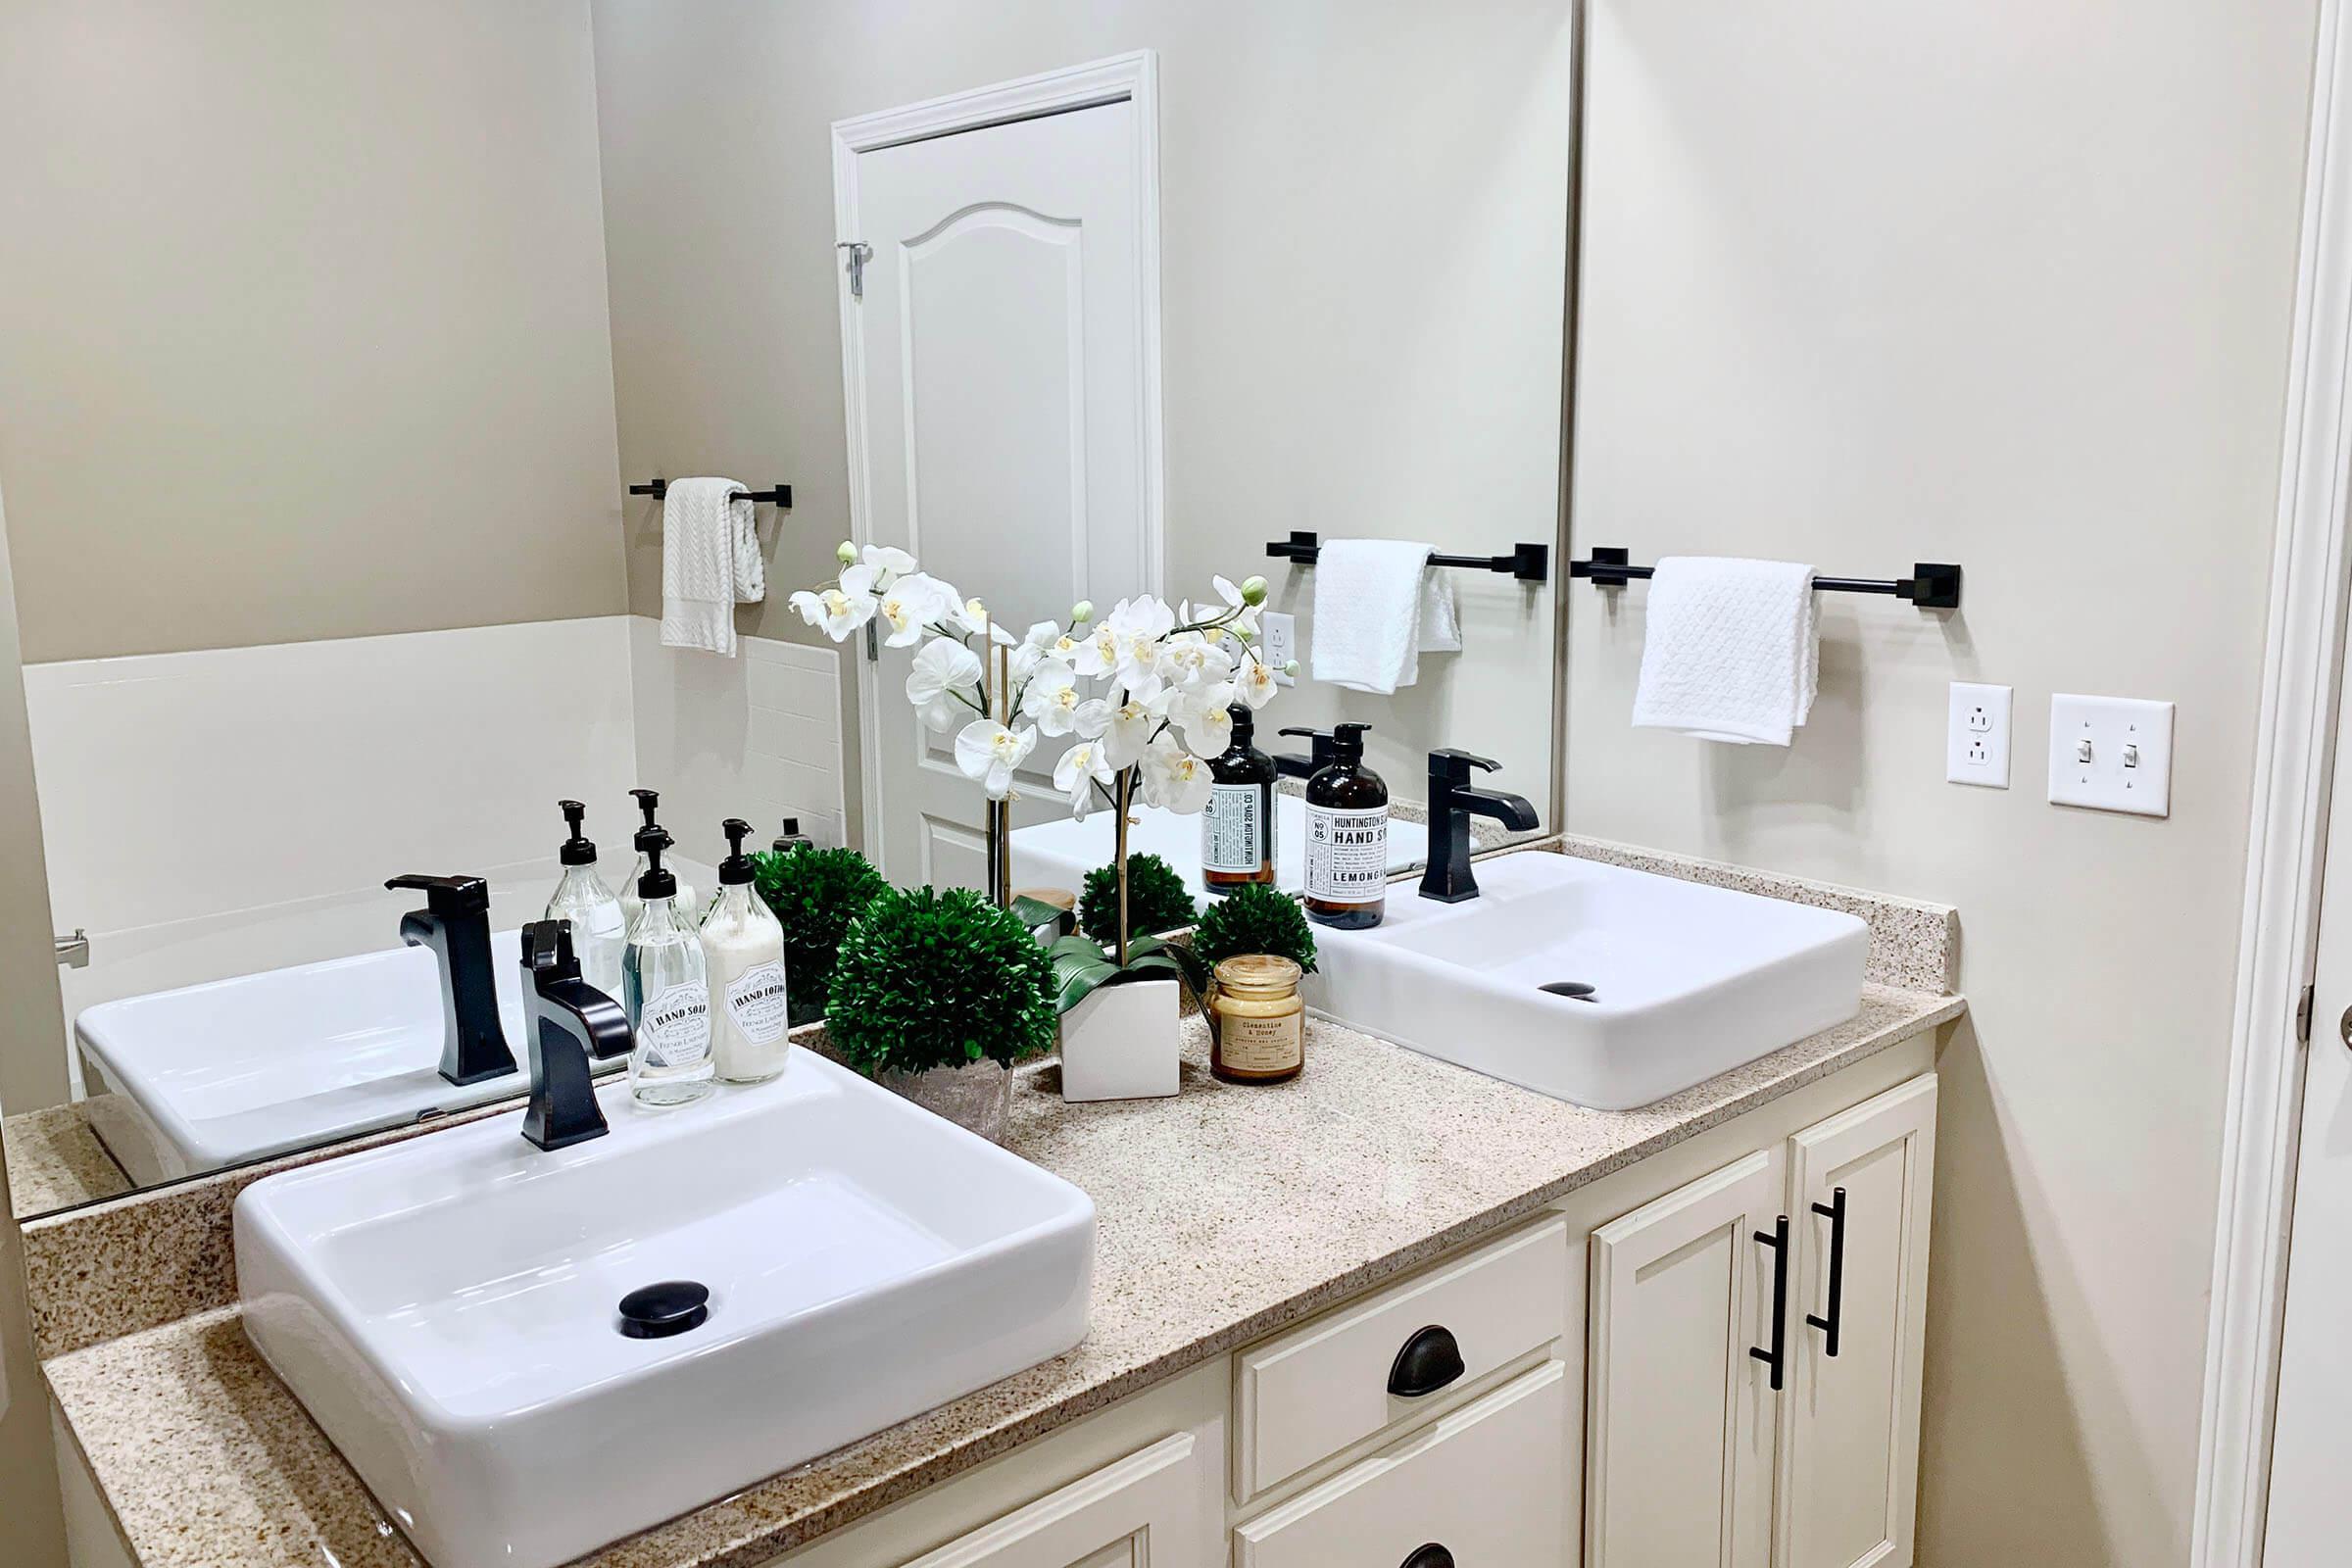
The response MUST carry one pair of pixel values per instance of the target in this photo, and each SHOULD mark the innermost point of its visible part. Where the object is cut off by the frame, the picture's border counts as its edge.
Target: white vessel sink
(237, 1070)
(1687, 981)
(1059, 854)
(447, 1307)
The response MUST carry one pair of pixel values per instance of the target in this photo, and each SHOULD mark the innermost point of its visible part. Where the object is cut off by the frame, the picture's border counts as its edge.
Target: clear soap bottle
(743, 949)
(599, 928)
(689, 910)
(665, 991)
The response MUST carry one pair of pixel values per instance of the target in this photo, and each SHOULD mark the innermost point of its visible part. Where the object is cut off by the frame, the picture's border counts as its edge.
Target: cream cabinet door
(1859, 1186)
(1680, 1416)
(1142, 1512)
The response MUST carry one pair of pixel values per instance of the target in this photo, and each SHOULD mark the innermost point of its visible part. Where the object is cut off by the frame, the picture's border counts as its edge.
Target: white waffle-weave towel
(1379, 607)
(1732, 653)
(710, 563)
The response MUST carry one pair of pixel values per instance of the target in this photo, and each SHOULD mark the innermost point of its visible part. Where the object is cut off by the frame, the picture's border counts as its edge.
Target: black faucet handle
(447, 896)
(547, 954)
(1453, 766)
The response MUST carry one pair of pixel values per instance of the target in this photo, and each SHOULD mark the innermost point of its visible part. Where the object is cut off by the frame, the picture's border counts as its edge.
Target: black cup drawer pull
(1428, 1363)
(1432, 1555)
(1835, 1213)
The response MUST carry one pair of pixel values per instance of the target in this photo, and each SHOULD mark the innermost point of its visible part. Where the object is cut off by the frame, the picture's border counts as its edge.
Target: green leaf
(1075, 979)
(1034, 912)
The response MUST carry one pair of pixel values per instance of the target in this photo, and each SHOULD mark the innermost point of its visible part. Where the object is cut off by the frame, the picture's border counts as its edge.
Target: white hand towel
(1732, 653)
(710, 563)
(1378, 605)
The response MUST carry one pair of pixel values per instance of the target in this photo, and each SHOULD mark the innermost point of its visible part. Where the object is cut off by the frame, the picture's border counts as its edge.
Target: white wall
(1363, 254)
(2007, 284)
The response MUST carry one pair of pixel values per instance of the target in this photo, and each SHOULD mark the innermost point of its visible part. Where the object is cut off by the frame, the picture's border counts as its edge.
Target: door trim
(1132, 77)
(2286, 839)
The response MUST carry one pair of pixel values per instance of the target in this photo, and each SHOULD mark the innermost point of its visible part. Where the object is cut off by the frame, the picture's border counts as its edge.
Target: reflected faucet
(1321, 746)
(455, 923)
(571, 1027)
(1453, 802)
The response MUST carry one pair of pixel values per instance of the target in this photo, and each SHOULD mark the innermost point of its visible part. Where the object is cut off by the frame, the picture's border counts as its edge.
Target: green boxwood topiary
(929, 979)
(816, 896)
(1257, 918)
(1156, 901)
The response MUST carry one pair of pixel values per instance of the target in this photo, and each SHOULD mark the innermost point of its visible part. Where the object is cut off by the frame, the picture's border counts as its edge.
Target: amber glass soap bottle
(1347, 837)
(1237, 831)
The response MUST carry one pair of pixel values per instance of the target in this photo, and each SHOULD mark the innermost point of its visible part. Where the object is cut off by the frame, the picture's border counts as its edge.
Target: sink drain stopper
(657, 1311)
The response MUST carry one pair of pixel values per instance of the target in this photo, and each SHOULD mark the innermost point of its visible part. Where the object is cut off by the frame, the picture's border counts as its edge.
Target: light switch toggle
(2130, 756)
(2082, 750)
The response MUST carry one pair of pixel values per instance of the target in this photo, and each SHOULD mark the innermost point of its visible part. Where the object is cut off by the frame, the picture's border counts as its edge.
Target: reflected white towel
(1378, 605)
(1731, 651)
(710, 563)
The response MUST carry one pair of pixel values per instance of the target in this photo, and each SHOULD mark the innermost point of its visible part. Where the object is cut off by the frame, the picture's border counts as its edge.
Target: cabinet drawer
(1303, 1395)
(1483, 1484)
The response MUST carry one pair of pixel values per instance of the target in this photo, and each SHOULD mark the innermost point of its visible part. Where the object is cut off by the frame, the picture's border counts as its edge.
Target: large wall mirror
(337, 367)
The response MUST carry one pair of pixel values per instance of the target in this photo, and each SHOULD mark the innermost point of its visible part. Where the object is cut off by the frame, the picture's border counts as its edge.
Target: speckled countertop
(1383, 1158)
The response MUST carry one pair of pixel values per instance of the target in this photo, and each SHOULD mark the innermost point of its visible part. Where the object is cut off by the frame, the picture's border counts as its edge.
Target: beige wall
(302, 328)
(32, 1526)
(1364, 224)
(2009, 285)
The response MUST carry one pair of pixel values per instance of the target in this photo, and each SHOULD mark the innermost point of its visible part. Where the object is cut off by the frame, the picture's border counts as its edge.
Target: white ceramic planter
(1120, 1042)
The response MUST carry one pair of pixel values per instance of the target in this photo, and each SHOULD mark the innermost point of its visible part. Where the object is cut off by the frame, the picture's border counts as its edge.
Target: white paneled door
(1000, 310)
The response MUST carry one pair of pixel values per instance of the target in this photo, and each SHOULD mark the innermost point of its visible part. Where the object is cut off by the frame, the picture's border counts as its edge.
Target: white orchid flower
(1039, 645)
(942, 668)
(887, 564)
(1204, 718)
(1081, 769)
(837, 612)
(909, 605)
(1129, 732)
(1190, 662)
(1238, 602)
(1125, 644)
(1253, 683)
(1174, 779)
(989, 753)
(1053, 701)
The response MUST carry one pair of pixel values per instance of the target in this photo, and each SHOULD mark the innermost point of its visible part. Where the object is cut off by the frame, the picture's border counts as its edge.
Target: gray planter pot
(977, 1098)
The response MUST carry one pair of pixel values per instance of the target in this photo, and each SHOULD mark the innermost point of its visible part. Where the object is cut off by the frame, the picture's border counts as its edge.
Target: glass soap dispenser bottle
(666, 990)
(1237, 830)
(743, 951)
(1347, 837)
(689, 910)
(599, 928)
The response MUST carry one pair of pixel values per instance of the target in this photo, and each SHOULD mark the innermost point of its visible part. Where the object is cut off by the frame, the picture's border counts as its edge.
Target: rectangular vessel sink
(447, 1308)
(1674, 981)
(235, 1071)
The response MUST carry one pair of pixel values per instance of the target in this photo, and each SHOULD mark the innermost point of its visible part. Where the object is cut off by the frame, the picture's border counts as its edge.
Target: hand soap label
(755, 1001)
(1347, 854)
(1236, 835)
(676, 1026)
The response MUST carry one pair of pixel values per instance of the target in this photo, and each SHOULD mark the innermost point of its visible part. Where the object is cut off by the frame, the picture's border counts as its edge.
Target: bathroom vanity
(1332, 1322)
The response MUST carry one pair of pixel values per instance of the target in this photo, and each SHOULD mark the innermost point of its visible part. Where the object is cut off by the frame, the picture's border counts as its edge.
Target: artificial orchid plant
(1143, 695)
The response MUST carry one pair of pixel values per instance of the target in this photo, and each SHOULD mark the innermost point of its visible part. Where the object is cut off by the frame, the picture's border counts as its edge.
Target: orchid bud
(846, 553)
(1082, 612)
(1253, 591)
(1290, 669)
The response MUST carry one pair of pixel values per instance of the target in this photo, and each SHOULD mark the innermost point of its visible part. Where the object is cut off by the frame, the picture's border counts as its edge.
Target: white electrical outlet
(2112, 753)
(1976, 747)
(1279, 635)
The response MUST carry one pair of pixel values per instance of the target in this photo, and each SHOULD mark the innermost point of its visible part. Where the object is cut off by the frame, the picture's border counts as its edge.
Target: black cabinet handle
(1432, 1555)
(1777, 1357)
(1428, 1363)
(1834, 1209)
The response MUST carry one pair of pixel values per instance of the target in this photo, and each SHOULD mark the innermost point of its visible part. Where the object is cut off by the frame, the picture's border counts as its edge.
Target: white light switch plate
(1976, 747)
(2112, 753)
(1279, 635)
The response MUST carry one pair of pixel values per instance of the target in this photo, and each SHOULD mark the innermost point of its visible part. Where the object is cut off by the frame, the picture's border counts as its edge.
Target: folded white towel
(1378, 605)
(1732, 653)
(710, 563)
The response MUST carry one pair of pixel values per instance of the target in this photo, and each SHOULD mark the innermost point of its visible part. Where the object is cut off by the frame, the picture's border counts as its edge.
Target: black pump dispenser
(576, 850)
(736, 868)
(791, 838)
(1347, 742)
(656, 883)
(647, 801)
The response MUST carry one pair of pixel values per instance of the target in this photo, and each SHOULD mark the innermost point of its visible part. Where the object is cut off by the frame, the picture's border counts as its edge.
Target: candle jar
(1258, 1033)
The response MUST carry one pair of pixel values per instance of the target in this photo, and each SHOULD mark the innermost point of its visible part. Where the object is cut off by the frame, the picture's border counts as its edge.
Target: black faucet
(455, 923)
(1453, 802)
(1290, 765)
(573, 1026)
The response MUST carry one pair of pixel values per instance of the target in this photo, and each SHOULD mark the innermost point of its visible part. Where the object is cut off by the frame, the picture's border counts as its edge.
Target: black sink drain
(657, 1311)
(1573, 990)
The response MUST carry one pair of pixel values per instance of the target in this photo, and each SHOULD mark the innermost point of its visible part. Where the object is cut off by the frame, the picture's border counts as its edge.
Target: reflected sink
(447, 1308)
(1658, 983)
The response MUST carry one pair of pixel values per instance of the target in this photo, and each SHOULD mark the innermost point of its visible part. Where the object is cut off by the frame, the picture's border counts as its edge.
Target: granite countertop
(1380, 1159)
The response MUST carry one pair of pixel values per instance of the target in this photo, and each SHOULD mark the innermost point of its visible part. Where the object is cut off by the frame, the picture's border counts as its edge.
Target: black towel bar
(1527, 563)
(780, 496)
(1932, 585)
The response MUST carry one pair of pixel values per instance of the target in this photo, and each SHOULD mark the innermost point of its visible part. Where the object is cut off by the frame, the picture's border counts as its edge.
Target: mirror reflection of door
(1003, 411)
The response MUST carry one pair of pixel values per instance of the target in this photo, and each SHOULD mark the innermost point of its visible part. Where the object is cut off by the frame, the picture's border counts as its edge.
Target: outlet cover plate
(1278, 634)
(1976, 747)
(2129, 765)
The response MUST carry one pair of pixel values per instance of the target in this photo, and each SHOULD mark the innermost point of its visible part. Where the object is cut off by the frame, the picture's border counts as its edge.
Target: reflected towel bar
(1527, 563)
(780, 496)
(1932, 585)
